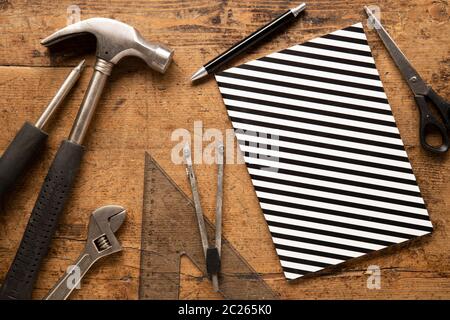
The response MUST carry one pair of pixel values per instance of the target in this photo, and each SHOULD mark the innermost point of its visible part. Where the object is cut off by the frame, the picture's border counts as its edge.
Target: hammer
(115, 40)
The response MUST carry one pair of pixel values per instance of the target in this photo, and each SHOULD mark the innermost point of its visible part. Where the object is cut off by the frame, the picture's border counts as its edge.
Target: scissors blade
(415, 82)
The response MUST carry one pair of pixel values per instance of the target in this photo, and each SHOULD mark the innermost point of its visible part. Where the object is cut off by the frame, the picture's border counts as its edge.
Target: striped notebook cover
(323, 151)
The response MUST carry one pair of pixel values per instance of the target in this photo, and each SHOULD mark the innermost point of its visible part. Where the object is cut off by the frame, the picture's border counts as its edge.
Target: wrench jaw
(117, 220)
(104, 222)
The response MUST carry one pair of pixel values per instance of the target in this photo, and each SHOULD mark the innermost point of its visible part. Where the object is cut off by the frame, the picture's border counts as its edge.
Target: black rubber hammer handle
(55, 192)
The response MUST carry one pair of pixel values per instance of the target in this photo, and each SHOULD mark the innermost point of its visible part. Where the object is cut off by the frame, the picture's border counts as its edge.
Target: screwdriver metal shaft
(60, 95)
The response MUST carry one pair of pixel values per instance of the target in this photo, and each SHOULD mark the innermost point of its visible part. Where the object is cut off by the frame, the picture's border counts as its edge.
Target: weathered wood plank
(141, 109)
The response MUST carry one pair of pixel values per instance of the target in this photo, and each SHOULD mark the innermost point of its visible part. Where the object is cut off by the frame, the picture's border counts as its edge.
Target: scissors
(423, 93)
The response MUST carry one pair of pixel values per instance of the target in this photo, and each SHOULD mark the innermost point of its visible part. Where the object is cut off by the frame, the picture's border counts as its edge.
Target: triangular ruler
(169, 230)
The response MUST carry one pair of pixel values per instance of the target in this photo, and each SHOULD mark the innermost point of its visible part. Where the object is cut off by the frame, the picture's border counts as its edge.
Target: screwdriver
(31, 138)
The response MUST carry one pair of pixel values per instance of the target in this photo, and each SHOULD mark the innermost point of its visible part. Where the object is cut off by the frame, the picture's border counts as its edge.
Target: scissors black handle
(429, 123)
(442, 105)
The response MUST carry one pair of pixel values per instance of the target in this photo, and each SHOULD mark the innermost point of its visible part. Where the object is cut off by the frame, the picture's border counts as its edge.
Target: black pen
(252, 39)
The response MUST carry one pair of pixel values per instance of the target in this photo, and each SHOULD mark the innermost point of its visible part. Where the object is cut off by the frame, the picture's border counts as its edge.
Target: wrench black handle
(55, 192)
(24, 148)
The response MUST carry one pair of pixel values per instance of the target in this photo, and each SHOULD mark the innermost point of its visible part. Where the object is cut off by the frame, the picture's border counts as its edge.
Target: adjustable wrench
(101, 242)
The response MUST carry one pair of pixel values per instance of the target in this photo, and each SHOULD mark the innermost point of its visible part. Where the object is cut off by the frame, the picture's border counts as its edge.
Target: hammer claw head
(67, 32)
(116, 40)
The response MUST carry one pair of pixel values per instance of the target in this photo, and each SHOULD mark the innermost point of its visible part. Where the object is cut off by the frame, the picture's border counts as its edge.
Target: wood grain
(140, 110)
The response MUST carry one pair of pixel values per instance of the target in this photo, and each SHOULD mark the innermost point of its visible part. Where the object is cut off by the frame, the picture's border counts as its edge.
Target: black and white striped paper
(324, 153)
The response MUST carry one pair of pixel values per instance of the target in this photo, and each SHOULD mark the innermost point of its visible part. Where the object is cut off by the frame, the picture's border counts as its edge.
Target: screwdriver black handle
(55, 192)
(24, 148)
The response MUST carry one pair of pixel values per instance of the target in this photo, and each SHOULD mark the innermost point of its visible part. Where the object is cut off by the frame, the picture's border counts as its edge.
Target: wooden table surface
(140, 109)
